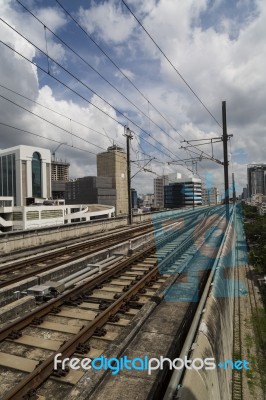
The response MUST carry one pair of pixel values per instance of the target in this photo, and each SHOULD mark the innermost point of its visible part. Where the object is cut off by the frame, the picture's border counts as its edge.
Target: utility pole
(226, 180)
(129, 136)
(234, 188)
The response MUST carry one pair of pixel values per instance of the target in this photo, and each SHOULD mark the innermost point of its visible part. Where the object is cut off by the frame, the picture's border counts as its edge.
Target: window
(36, 175)
(4, 169)
(10, 175)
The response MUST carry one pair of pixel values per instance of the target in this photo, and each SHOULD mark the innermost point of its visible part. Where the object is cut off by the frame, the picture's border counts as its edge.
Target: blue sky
(218, 46)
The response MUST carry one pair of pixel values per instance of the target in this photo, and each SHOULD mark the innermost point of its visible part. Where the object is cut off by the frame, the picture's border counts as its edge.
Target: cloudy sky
(104, 72)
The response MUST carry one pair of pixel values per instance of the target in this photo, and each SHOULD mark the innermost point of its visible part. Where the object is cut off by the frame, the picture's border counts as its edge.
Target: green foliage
(255, 229)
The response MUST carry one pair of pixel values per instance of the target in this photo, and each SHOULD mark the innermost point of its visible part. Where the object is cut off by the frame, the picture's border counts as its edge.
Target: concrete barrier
(215, 335)
(15, 241)
(20, 240)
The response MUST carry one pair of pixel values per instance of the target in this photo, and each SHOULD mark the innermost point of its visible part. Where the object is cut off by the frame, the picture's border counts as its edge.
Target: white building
(41, 216)
(209, 196)
(184, 192)
(25, 172)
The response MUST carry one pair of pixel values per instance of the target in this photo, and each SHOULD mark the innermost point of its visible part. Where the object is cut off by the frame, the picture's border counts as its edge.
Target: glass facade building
(36, 175)
(183, 194)
(8, 176)
(256, 179)
(25, 173)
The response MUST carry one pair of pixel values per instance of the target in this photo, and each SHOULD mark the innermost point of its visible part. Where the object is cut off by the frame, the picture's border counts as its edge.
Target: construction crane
(55, 150)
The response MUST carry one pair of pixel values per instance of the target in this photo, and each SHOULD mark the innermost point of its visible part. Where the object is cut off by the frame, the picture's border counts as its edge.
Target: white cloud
(52, 17)
(108, 21)
(127, 72)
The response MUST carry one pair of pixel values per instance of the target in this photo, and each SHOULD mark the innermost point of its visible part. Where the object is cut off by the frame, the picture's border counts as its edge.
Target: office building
(209, 196)
(25, 173)
(134, 199)
(113, 164)
(244, 195)
(256, 179)
(44, 215)
(91, 190)
(148, 200)
(159, 184)
(185, 192)
(59, 177)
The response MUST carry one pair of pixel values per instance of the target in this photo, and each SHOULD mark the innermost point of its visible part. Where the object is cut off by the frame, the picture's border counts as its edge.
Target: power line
(50, 122)
(172, 65)
(56, 112)
(62, 115)
(86, 86)
(78, 94)
(55, 141)
(90, 66)
(46, 138)
(126, 77)
(57, 126)
(119, 69)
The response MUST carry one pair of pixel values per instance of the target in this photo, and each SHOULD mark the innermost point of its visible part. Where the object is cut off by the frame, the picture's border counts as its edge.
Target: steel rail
(45, 369)
(171, 390)
(47, 257)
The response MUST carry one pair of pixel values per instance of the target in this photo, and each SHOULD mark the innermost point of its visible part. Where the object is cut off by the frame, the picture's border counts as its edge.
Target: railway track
(85, 310)
(23, 269)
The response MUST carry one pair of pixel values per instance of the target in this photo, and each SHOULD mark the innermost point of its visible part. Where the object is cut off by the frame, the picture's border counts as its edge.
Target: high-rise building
(113, 164)
(159, 184)
(90, 190)
(25, 172)
(209, 196)
(59, 175)
(134, 198)
(183, 193)
(244, 195)
(256, 179)
(60, 170)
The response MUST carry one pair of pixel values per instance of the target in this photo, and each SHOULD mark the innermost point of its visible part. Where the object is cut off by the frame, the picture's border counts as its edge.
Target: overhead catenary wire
(62, 115)
(122, 73)
(172, 65)
(63, 129)
(117, 67)
(75, 92)
(53, 140)
(87, 87)
(45, 138)
(54, 111)
(47, 55)
(50, 122)
(95, 70)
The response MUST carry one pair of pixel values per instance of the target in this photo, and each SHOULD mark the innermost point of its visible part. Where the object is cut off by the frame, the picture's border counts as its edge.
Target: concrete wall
(215, 335)
(15, 241)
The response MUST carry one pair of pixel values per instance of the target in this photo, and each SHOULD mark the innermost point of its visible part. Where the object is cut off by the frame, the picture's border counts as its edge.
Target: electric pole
(234, 188)
(226, 180)
(129, 136)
